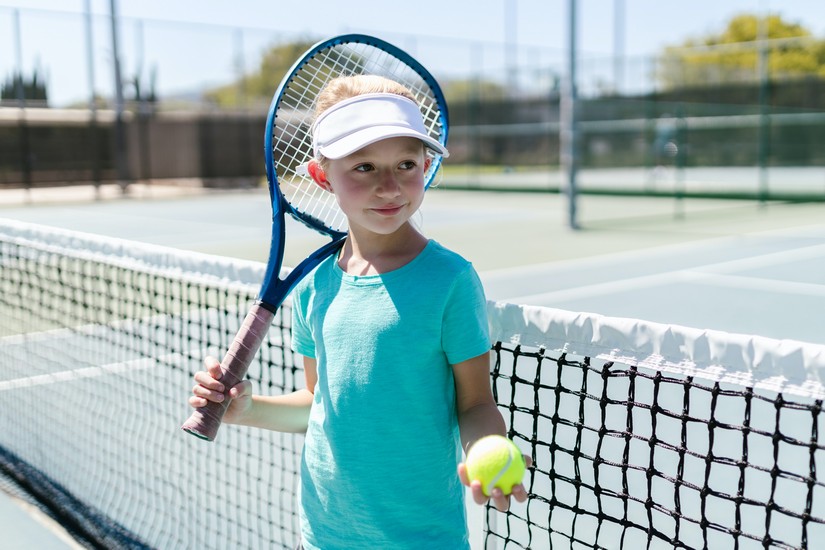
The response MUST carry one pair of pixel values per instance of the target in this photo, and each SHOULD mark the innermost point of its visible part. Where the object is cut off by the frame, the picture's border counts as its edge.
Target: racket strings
(299, 190)
(295, 115)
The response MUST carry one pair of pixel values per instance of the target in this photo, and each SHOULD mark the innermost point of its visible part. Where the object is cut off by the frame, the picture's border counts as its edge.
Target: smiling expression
(380, 186)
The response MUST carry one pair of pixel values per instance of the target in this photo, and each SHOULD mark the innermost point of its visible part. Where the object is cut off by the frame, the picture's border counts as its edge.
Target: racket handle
(205, 421)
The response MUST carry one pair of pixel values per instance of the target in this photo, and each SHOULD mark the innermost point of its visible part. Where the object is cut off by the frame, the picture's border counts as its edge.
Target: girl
(393, 332)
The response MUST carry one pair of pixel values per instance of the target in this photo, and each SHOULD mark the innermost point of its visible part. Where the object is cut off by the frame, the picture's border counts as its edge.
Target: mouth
(390, 210)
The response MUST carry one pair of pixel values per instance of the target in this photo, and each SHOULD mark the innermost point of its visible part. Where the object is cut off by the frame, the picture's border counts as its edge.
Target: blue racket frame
(274, 290)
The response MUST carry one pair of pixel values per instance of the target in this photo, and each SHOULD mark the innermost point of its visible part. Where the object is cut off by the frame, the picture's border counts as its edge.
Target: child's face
(380, 186)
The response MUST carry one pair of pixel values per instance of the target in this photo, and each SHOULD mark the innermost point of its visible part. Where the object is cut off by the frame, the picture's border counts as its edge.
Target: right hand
(209, 388)
(500, 500)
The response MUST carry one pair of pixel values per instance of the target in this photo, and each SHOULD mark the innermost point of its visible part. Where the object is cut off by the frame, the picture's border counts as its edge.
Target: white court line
(86, 372)
(89, 329)
(765, 260)
(92, 328)
(685, 247)
(700, 273)
(758, 283)
(601, 289)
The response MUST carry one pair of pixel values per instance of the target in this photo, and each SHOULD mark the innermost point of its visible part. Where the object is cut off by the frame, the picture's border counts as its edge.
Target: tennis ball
(495, 461)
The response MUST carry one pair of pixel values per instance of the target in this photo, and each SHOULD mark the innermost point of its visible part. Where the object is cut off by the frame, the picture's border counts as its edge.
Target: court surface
(734, 266)
(724, 265)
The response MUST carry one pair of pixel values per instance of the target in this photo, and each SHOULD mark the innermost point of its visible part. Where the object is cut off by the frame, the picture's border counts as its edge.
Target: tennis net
(642, 435)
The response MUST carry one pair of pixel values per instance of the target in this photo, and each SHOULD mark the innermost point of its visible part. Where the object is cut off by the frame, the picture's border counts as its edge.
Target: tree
(260, 85)
(465, 91)
(33, 89)
(733, 55)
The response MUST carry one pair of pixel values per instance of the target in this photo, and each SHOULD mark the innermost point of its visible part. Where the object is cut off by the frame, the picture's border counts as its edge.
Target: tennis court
(731, 266)
(663, 364)
(736, 266)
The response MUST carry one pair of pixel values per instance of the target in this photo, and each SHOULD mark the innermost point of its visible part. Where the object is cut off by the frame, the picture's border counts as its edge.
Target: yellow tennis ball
(495, 461)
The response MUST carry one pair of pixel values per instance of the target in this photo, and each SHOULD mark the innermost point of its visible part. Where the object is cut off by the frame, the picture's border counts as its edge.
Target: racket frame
(273, 294)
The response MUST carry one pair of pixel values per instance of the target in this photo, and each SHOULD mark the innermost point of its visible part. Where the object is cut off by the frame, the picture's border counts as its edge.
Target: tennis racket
(288, 147)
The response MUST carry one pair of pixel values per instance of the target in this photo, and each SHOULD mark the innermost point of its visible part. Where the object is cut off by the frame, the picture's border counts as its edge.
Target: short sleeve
(465, 331)
(302, 340)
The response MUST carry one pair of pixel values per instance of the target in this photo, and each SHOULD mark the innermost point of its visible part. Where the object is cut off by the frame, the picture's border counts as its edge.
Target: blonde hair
(345, 87)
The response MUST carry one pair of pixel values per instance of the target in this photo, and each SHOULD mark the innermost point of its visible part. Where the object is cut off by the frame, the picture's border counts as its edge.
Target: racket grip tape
(205, 421)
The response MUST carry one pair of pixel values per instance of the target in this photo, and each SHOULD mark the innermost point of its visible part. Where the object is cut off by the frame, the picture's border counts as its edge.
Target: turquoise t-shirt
(381, 449)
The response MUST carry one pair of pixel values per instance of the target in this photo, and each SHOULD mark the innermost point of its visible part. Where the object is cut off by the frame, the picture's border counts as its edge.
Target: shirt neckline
(379, 278)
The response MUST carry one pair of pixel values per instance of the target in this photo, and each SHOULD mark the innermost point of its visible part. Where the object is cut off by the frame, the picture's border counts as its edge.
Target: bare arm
(477, 412)
(279, 413)
(478, 416)
(282, 413)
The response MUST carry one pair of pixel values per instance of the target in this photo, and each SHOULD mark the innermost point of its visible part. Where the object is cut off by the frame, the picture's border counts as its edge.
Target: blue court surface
(736, 266)
(733, 266)
(26, 528)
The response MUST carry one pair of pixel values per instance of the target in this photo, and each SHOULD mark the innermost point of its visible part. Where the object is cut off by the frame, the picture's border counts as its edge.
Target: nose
(388, 185)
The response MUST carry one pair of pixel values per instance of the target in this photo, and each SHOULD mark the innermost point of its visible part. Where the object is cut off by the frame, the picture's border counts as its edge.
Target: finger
(241, 389)
(528, 462)
(500, 500)
(207, 394)
(206, 380)
(213, 366)
(462, 474)
(478, 494)
(197, 402)
(519, 493)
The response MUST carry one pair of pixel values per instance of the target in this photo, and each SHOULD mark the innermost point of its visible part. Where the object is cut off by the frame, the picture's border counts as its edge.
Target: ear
(318, 175)
(428, 160)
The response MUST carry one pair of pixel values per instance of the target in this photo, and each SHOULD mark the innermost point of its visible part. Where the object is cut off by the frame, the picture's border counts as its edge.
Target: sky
(536, 29)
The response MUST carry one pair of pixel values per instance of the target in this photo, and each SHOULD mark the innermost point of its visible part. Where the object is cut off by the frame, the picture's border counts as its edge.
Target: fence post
(120, 130)
(26, 156)
(764, 120)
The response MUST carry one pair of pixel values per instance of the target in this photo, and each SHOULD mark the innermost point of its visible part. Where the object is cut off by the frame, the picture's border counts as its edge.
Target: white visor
(359, 121)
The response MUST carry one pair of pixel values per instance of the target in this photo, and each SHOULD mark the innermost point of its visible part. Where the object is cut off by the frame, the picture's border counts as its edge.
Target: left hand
(500, 500)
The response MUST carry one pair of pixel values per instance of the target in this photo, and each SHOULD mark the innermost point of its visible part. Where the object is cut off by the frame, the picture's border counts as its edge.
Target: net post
(567, 115)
